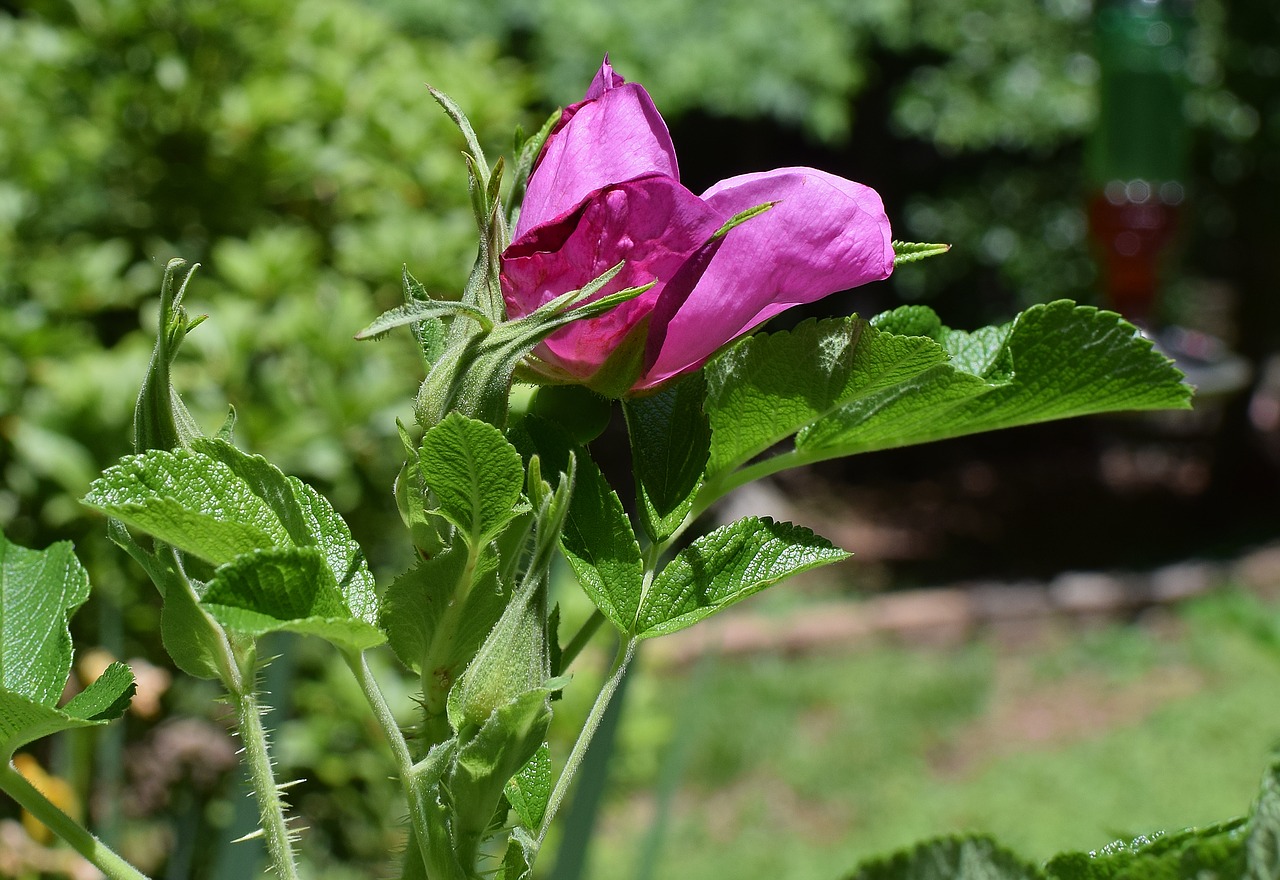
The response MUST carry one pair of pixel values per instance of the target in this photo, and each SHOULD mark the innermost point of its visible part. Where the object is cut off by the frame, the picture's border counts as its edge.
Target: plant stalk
(82, 841)
(395, 738)
(262, 778)
(626, 651)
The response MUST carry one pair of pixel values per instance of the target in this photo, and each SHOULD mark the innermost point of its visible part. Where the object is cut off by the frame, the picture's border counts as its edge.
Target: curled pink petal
(606, 189)
(652, 223)
(615, 137)
(825, 234)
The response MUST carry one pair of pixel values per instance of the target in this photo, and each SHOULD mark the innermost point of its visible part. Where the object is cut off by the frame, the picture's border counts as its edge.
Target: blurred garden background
(292, 149)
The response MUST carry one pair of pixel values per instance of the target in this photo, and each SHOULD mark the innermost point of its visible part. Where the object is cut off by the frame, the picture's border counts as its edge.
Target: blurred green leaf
(950, 858)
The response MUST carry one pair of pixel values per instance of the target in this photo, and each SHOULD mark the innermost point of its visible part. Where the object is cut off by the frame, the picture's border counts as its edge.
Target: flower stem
(395, 738)
(93, 849)
(626, 651)
(262, 778)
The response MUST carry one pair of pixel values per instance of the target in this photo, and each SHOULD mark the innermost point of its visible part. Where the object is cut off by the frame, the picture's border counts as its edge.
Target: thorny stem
(626, 651)
(102, 856)
(262, 777)
(241, 688)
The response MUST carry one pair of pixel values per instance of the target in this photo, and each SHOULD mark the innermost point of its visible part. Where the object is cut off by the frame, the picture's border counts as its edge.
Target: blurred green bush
(292, 149)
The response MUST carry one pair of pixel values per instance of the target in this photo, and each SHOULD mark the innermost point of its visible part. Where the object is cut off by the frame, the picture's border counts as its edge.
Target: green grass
(801, 767)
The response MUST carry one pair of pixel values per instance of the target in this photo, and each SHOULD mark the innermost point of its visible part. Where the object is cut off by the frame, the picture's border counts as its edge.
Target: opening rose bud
(606, 189)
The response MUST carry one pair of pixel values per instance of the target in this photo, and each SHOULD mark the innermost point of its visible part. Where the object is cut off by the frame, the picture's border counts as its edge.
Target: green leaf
(1212, 853)
(216, 502)
(529, 790)
(846, 386)
(769, 386)
(106, 697)
(950, 858)
(597, 540)
(39, 590)
(1063, 360)
(670, 443)
(437, 615)
(476, 476)
(726, 566)
(291, 589)
(190, 501)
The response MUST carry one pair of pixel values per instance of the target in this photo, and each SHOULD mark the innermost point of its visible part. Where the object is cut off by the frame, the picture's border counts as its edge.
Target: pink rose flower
(606, 189)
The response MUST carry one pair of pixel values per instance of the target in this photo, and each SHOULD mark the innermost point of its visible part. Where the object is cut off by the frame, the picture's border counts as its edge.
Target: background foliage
(292, 149)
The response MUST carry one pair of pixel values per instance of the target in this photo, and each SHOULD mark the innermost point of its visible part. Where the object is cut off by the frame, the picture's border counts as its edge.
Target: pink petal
(826, 234)
(617, 136)
(653, 223)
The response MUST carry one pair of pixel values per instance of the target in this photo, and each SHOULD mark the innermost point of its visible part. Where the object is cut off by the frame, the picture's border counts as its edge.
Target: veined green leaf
(229, 508)
(437, 614)
(950, 858)
(597, 540)
(1212, 853)
(670, 443)
(476, 476)
(289, 589)
(39, 590)
(846, 386)
(726, 566)
(191, 501)
(1262, 842)
(530, 789)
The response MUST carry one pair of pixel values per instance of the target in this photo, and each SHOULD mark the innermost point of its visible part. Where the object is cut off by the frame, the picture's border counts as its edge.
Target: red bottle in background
(1138, 152)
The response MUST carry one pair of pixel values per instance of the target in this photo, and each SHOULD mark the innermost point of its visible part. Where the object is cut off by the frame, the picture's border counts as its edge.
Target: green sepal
(581, 412)
(474, 374)
(527, 151)
(915, 251)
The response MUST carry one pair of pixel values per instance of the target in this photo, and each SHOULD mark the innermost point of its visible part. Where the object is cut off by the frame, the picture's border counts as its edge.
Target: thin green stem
(395, 738)
(626, 651)
(382, 712)
(580, 639)
(262, 778)
(93, 849)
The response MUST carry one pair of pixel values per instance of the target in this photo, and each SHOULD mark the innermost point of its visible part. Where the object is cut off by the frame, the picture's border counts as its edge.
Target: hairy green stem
(395, 738)
(626, 651)
(262, 778)
(83, 842)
